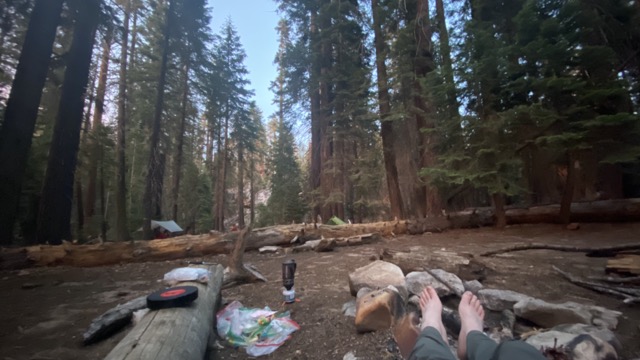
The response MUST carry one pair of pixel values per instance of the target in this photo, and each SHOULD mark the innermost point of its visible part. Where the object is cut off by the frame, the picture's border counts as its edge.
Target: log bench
(181, 333)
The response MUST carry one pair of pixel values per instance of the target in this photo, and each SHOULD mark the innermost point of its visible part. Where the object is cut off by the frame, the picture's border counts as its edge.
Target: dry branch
(629, 295)
(113, 320)
(591, 251)
(237, 273)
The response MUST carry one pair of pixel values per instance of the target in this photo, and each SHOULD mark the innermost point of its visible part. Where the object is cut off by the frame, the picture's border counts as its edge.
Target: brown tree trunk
(57, 192)
(240, 186)
(183, 122)
(384, 104)
(252, 192)
(152, 190)
(567, 194)
(22, 109)
(500, 213)
(445, 52)
(423, 65)
(94, 146)
(221, 182)
(326, 128)
(122, 230)
(316, 136)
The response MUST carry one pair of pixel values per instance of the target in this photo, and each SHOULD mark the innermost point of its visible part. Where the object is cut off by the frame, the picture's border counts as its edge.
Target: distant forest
(114, 113)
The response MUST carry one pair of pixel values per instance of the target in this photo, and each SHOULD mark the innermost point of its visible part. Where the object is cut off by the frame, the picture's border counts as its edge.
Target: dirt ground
(46, 310)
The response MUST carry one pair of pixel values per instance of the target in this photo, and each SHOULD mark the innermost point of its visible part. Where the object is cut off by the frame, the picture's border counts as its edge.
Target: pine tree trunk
(134, 34)
(316, 162)
(122, 231)
(567, 194)
(183, 122)
(103, 202)
(384, 104)
(94, 145)
(445, 52)
(57, 193)
(252, 192)
(500, 212)
(222, 196)
(326, 128)
(240, 186)
(22, 109)
(80, 209)
(151, 190)
(423, 65)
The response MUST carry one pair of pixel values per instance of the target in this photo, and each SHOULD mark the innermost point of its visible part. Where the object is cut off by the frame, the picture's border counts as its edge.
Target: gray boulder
(578, 347)
(418, 280)
(499, 300)
(549, 315)
(602, 333)
(377, 275)
(474, 286)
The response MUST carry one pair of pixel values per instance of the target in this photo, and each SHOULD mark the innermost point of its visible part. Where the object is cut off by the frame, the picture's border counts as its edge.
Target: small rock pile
(384, 295)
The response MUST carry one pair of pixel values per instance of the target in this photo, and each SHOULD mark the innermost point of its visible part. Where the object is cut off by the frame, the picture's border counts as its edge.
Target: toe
(433, 294)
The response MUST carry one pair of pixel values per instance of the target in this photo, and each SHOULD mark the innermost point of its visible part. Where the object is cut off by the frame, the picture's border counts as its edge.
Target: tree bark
(384, 105)
(445, 51)
(183, 123)
(252, 192)
(592, 251)
(316, 136)
(500, 214)
(567, 194)
(122, 230)
(152, 190)
(95, 147)
(22, 109)
(57, 192)
(240, 186)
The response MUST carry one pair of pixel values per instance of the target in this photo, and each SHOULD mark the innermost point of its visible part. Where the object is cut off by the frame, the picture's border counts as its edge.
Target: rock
(418, 280)
(573, 226)
(269, 249)
(378, 310)
(349, 356)
(498, 300)
(549, 315)
(363, 291)
(602, 333)
(414, 300)
(546, 339)
(349, 308)
(377, 275)
(474, 286)
(579, 347)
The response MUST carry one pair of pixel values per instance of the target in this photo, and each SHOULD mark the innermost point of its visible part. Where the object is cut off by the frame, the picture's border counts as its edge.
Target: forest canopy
(114, 113)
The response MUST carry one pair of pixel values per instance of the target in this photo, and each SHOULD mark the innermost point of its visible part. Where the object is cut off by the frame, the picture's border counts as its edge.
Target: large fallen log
(110, 253)
(175, 333)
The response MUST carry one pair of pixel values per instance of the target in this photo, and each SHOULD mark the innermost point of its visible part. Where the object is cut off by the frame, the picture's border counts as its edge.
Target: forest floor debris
(322, 285)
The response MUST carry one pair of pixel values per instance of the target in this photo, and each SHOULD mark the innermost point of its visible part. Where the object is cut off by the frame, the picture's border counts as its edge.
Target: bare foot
(432, 311)
(471, 318)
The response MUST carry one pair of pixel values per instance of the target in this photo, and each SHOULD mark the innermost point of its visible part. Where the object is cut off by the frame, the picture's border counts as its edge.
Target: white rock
(474, 286)
(377, 275)
(363, 291)
(579, 347)
(269, 249)
(349, 308)
(498, 300)
(547, 339)
(602, 333)
(350, 356)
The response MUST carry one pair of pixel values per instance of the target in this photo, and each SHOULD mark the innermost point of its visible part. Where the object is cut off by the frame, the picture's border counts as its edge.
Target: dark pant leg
(480, 346)
(431, 346)
(517, 349)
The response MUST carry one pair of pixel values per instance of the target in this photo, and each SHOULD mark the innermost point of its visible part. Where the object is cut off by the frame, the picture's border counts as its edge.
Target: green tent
(335, 221)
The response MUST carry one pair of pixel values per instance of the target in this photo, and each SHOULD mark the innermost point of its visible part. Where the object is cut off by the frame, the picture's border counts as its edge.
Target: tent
(168, 225)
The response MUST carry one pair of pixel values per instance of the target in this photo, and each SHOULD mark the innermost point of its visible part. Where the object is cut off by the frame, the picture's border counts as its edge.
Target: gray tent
(169, 226)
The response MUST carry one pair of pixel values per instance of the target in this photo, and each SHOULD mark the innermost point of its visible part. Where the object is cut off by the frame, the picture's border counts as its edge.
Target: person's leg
(432, 343)
(517, 349)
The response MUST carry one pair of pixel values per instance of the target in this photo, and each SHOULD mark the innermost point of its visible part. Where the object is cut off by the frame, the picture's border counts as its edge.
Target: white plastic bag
(186, 274)
(260, 331)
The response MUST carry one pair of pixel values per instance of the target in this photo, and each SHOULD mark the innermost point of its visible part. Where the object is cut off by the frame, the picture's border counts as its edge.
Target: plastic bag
(186, 274)
(260, 331)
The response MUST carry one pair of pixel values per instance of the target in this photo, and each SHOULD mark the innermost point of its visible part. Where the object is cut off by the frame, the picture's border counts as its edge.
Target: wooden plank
(624, 263)
(176, 333)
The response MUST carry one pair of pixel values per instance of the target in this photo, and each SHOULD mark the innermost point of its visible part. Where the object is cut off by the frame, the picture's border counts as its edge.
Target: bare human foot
(471, 318)
(431, 308)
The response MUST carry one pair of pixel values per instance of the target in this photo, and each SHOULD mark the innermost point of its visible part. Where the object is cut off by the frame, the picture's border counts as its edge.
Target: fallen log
(603, 251)
(624, 263)
(175, 333)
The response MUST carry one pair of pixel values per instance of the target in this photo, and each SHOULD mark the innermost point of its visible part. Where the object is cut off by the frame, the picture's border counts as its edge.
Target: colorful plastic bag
(260, 331)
